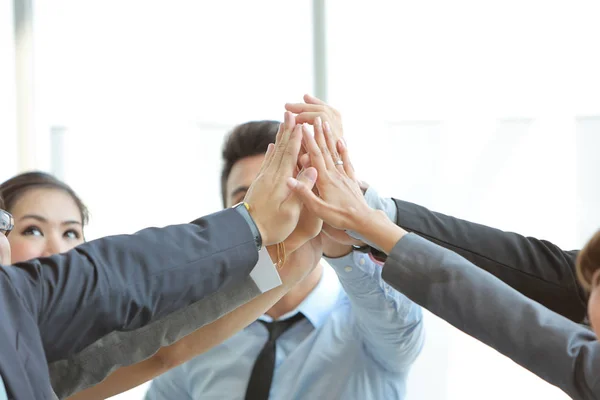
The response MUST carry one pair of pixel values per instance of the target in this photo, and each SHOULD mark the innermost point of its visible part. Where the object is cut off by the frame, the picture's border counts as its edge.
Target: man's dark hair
(245, 140)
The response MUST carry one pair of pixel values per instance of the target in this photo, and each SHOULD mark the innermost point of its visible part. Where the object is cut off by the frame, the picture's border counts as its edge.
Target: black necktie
(262, 372)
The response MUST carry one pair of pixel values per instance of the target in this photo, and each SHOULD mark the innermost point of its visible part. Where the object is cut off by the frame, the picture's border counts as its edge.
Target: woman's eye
(72, 235)
(32, 231)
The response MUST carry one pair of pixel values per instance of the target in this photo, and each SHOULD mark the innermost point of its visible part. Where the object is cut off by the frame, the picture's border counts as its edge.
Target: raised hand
(313, 108)
(273, 206)
(341, 203)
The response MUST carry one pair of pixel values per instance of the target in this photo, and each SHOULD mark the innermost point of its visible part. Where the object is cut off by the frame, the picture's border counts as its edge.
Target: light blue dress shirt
(358, 341)
(3, 395)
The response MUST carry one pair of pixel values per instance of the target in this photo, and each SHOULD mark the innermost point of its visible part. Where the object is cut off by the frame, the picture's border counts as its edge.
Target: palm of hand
(342, 193)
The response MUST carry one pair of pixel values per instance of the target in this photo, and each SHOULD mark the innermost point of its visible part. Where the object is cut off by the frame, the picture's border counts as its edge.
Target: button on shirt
(358, 341)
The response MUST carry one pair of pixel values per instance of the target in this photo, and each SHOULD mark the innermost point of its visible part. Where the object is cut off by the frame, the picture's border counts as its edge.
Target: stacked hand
(278, 213)
(323, 117)
(339, 200)
(286, 204)
(273, 206)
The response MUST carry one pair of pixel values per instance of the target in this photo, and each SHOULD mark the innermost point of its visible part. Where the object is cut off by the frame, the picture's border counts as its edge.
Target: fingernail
(318, 121)
(327, 127)
(342, 144)
(292, 183)
(311, 174)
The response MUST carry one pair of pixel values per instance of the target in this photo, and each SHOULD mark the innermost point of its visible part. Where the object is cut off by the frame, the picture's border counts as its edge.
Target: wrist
(337, 252)
(257, 230)
(289, 276)
(364, 222)
(272, 250)
(379, 230)
(286, 280)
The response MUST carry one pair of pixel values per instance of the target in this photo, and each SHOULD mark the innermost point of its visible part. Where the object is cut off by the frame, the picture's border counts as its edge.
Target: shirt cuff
(353, 265)
(264, 274)
(386, 205)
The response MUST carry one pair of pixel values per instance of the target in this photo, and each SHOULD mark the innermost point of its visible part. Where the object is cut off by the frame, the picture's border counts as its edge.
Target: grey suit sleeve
(121, 283)
(559, 351)
(118, 349)
(537, 268)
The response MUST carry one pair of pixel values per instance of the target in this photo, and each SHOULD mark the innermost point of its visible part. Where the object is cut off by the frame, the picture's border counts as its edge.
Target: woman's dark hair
(588, 261)
(14, 188)
(1, 202)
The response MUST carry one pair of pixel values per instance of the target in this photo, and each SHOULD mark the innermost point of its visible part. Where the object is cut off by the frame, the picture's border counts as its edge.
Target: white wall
(147, 91)
(475, 109)
(8, 130)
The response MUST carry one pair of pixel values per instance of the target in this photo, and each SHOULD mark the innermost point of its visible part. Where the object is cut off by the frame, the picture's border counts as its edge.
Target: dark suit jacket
(54, 307)
(556, 349)
(537, 268)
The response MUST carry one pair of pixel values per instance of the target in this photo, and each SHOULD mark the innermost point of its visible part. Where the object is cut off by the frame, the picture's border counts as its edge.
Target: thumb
(302, 188)
(303, 183)
(308, 177)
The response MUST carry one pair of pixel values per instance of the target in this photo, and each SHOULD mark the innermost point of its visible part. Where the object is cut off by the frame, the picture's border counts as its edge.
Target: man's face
(241, 177)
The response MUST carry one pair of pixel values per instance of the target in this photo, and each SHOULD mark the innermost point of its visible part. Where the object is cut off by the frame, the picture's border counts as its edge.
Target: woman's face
(594, 303)
(47, 222)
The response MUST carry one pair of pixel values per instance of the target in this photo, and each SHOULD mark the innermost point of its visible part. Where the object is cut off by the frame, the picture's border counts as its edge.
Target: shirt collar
(319, 303)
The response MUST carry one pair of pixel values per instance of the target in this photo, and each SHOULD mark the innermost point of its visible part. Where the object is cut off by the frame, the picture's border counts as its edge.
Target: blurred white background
(485, 110)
